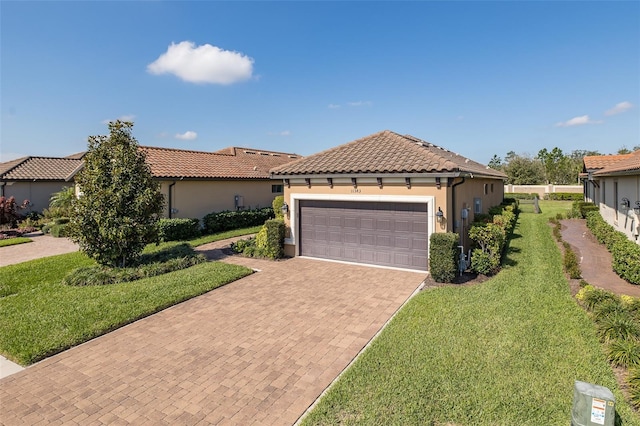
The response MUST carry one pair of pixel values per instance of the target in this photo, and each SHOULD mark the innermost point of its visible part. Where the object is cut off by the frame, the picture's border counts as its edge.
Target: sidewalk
(41, 246)
(595, 259)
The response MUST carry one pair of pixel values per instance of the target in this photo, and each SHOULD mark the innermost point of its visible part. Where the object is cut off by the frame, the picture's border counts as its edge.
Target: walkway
(595, 259)
(40, 246)
(257, 351)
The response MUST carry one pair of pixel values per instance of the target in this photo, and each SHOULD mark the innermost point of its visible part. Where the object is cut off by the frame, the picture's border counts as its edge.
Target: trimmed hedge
(624, 252)
(277, 204)
(581, 208)
(564, 196)
(270, 239)
(491, 234)
(521, 195)
(227, 220)
(59, 230)
(178, 229)
(443, 256)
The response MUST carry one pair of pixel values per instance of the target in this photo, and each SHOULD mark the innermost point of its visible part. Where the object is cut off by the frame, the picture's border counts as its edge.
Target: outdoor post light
(439, 215)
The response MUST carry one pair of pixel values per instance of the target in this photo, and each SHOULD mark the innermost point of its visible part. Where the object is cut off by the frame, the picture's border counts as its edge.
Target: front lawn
(13, 241)
(39, 316)
(505, 352)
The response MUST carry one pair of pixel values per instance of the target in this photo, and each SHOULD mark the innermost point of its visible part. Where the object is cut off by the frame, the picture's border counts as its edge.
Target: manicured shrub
(443, 256)
(565, 196)
(59, 231)
(277, 204)
(178, 229)
(227, 220)
(241, 245)
(485, 263)
(592, 296)
(570, 260)
(270, 239)
(10, 211)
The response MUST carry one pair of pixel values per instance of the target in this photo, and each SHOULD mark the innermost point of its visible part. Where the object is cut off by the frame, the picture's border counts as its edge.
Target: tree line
(547, 167)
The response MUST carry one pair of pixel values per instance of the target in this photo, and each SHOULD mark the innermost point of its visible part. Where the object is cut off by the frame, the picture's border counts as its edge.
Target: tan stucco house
(36, 178)
(196, 183)
(378, 199)
(612, 182)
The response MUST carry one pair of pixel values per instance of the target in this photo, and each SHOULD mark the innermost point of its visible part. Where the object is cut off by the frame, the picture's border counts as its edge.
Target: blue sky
(477, 78)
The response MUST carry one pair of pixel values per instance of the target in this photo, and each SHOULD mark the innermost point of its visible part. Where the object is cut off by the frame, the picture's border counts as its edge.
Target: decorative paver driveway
(257, 351)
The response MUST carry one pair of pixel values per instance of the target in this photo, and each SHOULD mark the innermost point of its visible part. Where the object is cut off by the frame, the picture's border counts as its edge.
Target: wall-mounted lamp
(439, 215)
(636, 209)
(625, 203)
(285, 209)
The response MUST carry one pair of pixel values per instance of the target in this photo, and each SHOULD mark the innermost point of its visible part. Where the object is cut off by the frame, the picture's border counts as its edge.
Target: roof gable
(386, 152)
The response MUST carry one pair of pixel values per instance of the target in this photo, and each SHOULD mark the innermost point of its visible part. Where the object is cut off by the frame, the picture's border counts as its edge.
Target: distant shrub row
(228, 220)
(564, 196)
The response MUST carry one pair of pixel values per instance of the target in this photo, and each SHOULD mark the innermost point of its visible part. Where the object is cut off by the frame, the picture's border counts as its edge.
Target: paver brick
(257, 351)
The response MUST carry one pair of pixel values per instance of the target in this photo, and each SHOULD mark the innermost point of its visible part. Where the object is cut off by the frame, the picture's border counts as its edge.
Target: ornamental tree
(117, 212)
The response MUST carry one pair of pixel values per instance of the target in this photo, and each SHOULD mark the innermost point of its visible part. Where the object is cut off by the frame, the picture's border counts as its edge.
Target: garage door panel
(382, 233)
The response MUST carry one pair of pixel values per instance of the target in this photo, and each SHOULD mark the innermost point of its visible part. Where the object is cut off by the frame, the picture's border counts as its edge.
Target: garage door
(386, 234)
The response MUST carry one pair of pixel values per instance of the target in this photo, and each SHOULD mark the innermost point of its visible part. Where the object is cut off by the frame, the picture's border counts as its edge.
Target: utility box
(593, 405)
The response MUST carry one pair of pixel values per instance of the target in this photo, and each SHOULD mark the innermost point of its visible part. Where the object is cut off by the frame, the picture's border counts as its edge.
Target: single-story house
(36, 178)
(613, 183)
(378, 199)
(196, 183)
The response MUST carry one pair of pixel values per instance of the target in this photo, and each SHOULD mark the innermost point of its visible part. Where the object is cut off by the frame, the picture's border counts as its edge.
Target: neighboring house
(36, 178)
(378, 199)
(196, 183)
(592, 164)
(613, 183)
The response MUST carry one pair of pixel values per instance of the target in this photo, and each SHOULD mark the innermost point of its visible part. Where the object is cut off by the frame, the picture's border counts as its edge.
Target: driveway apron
(257, 351)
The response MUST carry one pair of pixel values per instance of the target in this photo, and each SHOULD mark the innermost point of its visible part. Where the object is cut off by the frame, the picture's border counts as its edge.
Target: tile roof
(229, 163)
(386, 152)
(597, 162)
(629, 164)
(39, 168)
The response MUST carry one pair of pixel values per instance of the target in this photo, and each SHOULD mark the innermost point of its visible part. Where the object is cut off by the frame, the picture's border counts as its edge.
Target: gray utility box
(593, 405)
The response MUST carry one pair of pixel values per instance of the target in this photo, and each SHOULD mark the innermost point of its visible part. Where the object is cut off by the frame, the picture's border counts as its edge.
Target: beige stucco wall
(542, 190)
(622, 219)
(395, 190)
(38, 193)
(197, 198)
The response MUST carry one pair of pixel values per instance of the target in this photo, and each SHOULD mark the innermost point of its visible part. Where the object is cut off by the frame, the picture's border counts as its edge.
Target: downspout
(453, 204)
(170, 199)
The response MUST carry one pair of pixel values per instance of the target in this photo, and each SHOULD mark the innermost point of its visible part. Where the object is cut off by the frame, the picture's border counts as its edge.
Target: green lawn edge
(14, 241)
(505, 352)
(40, 317)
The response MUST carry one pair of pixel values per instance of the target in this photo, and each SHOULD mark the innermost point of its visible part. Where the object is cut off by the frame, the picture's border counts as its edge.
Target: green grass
(14, 241)
(39, 316)
(505, 352)
(224, 235)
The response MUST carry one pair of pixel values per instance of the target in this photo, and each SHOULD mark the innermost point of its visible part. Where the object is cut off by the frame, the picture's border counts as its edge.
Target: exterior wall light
(625, 203)
(636, 209)
(439, 215)
(285, 209)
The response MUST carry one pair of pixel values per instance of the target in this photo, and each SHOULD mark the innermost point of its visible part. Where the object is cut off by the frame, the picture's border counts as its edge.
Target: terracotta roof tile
(596, 162)
(630, 163)
(230, 163)
(385, 152)
(38, 168)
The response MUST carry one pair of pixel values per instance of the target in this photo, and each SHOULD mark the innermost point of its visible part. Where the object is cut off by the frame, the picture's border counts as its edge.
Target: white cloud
(127, 117)
(203, 64)
(333, 106)
(619, 108)
(282, 133)
(360, 103)
(187, 136)
(577, 121)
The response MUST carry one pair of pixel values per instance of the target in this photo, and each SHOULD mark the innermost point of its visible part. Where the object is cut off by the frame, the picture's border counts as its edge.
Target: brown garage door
(387, 234)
